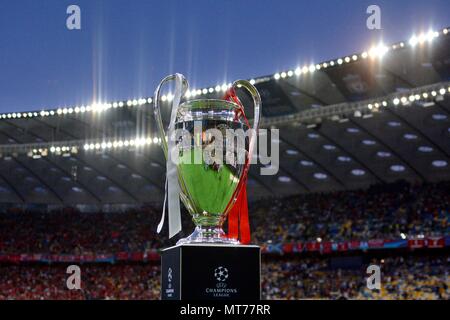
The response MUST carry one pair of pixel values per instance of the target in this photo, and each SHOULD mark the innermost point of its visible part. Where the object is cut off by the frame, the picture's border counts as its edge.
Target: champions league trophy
(207, 171)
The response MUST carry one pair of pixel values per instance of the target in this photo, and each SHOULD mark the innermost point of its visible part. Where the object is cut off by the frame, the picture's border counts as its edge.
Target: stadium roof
(370, 117)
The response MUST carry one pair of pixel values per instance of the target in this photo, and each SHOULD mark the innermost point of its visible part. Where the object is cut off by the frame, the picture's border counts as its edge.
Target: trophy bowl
(211, 148)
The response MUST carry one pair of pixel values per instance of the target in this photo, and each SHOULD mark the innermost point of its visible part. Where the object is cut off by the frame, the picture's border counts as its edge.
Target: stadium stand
(363, 178)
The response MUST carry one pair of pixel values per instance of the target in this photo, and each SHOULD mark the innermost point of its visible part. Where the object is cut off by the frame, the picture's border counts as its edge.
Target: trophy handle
(157, 109)
(257, 108)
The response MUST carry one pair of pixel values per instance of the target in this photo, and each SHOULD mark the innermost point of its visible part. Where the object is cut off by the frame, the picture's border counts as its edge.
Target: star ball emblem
(221, 273)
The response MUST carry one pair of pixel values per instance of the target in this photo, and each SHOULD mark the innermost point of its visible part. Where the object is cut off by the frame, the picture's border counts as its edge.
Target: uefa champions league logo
(221, 273)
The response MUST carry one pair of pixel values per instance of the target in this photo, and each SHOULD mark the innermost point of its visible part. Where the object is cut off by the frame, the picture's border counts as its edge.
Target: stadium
(363, 179)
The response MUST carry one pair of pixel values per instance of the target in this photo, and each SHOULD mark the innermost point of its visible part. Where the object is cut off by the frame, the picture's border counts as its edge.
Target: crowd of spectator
(402, 278)
(100, 281)
(306, 278)
(69, 231)
(383, 212)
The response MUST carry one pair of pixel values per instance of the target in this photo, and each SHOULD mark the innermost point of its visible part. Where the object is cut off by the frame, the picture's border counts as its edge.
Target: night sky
(125, 47)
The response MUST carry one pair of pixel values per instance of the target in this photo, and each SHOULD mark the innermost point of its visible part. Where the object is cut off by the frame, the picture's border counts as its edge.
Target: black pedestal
(210, 272)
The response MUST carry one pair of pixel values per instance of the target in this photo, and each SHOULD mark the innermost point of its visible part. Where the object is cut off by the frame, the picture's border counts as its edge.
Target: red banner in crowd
(435, 242)
(416, 243)
(288, 247)
(327, 247)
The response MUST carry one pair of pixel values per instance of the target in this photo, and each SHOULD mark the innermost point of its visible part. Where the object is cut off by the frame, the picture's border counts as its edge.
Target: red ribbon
(238, 222)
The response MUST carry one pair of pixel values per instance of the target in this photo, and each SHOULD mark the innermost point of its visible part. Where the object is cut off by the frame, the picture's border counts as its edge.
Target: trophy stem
(203, 234)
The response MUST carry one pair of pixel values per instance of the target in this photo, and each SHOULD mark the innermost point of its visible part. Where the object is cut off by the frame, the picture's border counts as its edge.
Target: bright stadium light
(290, 73)
(442, 91)
(413, 41)
(431, 35)
(297, 71)
(378, 51)
(276, 76)
(283, 74)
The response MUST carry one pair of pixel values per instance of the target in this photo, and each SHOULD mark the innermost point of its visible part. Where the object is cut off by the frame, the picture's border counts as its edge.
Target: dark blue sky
(125, 47)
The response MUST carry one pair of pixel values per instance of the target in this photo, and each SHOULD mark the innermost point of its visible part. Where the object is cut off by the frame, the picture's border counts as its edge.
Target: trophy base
(211, 272)
(208, 235)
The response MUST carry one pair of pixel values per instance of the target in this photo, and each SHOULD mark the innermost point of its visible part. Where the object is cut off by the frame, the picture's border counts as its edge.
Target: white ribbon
(172, 186)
